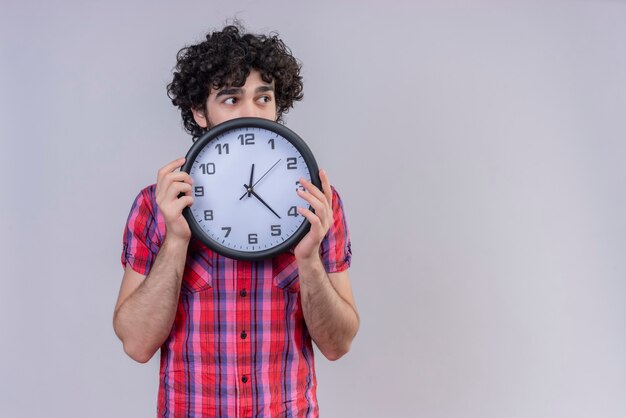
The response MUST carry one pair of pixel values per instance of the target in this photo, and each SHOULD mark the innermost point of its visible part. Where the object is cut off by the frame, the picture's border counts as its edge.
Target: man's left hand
(321, 201)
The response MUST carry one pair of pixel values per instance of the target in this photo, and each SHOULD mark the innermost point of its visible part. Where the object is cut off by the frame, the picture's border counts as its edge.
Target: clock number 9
(208, 168)
(246, 139)
(253, 239)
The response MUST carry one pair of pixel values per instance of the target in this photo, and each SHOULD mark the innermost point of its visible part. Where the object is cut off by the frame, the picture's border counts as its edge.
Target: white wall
(478, 147)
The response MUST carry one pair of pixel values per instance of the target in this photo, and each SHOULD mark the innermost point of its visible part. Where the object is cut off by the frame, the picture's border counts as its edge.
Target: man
(235, 336)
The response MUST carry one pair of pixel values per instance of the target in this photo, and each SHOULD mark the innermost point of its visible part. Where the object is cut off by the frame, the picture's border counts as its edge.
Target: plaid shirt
(239, 346)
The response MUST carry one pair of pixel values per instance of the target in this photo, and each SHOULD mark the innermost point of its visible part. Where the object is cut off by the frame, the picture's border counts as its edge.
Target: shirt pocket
(285, 272)
(198, 275)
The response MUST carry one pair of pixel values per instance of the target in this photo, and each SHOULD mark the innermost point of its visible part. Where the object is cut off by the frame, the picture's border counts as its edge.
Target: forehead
(251, 82)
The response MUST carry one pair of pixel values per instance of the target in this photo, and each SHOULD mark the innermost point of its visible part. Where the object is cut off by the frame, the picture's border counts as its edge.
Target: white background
(479, 149)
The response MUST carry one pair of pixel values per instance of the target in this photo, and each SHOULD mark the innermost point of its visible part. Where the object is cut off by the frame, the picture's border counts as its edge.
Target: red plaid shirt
(239, 346)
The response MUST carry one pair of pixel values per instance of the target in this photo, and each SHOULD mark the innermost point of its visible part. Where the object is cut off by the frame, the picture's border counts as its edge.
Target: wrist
(176, 243)
(310, 264)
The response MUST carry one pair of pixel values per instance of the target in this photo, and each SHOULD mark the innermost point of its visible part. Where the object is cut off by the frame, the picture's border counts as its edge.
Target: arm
(146, 306)
(327, 302)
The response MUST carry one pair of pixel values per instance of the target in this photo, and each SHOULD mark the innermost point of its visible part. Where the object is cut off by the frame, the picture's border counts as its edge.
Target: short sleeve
(142, 234)
(335, 249)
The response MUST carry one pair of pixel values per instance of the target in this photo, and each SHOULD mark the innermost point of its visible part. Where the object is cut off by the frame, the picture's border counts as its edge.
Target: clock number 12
(246, 139)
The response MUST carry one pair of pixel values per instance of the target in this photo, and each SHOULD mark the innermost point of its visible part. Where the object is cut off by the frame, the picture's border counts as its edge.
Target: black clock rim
(249, 122)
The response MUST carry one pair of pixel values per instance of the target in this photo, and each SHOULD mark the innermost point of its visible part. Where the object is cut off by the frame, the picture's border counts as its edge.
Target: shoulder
(145, 199)
(144, 211)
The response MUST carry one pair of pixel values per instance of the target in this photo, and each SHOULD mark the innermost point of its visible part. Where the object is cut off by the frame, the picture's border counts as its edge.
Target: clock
(245, 175)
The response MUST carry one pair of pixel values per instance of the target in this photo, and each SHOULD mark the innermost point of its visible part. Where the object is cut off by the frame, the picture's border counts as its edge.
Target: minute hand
(260, 178)
(250, 190)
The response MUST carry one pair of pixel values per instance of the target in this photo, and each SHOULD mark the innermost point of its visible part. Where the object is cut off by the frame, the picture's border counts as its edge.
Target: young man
(235, 336)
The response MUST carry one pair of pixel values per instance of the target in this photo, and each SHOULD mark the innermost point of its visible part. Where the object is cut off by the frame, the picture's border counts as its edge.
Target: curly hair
(225, 58)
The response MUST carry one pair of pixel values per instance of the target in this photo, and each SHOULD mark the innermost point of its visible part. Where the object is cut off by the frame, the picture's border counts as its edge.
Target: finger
(323, 213)
(182, 203)
(312, 200)
(170, 178)
(178, 176)
(176, 188)
(170, 167)
(328, 191)
(311, 188)
(171, 193)
(313, 219)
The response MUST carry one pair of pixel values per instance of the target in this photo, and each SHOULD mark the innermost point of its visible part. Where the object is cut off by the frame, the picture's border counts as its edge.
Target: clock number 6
(253, 239)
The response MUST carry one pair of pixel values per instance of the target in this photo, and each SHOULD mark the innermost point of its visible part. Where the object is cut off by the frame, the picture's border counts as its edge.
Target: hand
(251, 180)
(322, 202)
(170, 185)
(251, 191)
(257, 182)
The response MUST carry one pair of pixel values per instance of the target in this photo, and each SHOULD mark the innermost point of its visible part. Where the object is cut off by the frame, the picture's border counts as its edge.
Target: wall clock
(245, 175)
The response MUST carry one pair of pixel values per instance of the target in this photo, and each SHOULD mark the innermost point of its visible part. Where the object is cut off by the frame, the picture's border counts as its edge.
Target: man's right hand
(170, 184)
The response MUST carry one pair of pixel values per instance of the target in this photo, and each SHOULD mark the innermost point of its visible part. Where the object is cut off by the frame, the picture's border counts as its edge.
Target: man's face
(253, 99)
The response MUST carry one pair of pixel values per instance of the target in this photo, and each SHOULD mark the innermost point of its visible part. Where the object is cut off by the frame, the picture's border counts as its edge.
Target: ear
(200, 117)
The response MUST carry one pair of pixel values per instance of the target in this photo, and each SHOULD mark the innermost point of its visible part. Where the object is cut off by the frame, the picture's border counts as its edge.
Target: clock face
(245, 175)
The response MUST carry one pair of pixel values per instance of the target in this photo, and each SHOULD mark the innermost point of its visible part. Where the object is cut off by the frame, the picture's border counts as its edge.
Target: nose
(249, 109)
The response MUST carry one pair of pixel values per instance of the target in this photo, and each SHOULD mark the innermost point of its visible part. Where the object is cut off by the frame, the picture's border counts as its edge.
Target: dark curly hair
(225, 58)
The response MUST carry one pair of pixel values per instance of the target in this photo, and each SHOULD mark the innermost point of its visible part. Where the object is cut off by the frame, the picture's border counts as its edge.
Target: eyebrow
(229, 91)
(264, 88)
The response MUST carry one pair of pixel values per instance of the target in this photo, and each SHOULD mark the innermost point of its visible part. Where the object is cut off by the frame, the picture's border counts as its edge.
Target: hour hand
(260, 178)
(251, 179)
(251, 190)
(248, 193)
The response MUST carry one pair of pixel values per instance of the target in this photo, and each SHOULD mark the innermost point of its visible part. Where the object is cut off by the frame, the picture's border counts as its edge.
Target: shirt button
(243, 293)
(244, 379)
(243, 335)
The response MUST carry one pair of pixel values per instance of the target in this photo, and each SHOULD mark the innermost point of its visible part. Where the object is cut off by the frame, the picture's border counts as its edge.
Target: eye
(265, 99)
(230, 101)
